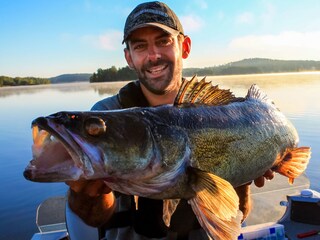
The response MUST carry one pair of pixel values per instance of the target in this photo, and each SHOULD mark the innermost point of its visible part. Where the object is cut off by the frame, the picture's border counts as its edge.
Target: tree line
(17, 81)
(245, 66)
(255, 66)
(113, 74)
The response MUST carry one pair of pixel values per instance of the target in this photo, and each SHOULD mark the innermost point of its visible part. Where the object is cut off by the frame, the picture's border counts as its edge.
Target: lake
(297, 95)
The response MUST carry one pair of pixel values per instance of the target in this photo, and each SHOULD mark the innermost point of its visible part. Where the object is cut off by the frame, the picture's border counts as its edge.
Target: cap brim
(167, 29)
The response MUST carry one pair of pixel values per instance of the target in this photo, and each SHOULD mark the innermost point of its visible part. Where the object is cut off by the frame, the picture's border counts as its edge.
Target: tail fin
(294, 162)
(216, 205)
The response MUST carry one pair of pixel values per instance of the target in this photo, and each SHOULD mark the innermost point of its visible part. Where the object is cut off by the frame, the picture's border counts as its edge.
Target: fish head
(88, 145)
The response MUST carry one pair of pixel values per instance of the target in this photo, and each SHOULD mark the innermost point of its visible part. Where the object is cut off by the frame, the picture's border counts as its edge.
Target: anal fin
(169, 207)
(136, 201)
(216, 205)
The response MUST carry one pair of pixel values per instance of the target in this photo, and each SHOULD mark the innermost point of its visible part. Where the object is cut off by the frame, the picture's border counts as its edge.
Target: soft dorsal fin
(255, 92)
(202, 92)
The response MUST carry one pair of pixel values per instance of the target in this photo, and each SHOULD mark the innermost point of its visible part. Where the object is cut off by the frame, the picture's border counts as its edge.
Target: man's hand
(259, 182)
(92, 200)
(92, 188)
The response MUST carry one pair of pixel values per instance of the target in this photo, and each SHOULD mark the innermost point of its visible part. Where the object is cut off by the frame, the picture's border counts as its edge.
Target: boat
(50, 220)
(280, 211)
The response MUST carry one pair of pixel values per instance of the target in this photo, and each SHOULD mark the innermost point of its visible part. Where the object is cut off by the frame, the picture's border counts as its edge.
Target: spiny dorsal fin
(202, 92)
(255, 92)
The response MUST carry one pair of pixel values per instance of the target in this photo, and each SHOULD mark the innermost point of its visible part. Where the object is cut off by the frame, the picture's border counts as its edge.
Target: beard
(160, 85)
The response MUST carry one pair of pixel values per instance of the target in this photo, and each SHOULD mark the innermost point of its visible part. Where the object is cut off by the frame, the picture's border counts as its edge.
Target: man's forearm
(94, 211)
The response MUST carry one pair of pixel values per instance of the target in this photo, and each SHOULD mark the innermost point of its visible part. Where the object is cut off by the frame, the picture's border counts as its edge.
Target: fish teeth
(35, 132)
(36, 151)
(39, 136)
(40, 139)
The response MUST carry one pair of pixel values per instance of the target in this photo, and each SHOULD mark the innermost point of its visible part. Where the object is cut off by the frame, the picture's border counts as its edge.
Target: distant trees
(9, 81)
(71, 77)
(255, 66)
(113, 74)
(245, 66)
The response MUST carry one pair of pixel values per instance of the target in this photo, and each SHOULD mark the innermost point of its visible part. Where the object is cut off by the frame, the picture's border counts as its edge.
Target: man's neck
(156, 100)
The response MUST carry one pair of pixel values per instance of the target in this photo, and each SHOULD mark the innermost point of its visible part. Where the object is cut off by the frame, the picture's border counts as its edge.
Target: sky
(47, 38)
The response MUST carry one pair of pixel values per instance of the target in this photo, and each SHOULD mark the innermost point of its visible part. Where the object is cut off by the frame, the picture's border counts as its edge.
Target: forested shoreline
(20, 81)
(245, 66)
(112, 74)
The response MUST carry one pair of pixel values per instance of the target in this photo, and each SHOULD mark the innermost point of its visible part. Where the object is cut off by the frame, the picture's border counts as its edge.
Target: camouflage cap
(156, 14)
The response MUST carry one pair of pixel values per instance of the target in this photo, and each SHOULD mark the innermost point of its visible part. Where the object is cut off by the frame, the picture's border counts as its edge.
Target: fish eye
(95, 126)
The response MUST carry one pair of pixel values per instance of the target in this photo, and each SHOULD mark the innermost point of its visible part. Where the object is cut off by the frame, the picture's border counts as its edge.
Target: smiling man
(156, 56)
(155, 48)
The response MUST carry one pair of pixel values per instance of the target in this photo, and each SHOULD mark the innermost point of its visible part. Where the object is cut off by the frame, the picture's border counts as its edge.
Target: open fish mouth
(53, 160)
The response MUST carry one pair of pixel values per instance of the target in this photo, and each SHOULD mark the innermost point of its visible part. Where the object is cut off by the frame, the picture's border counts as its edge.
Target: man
(155, 47)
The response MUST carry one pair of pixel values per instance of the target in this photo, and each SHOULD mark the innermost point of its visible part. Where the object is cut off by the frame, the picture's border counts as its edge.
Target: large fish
(199, 149)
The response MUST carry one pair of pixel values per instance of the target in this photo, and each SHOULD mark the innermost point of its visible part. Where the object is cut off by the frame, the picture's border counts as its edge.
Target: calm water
(297, 95)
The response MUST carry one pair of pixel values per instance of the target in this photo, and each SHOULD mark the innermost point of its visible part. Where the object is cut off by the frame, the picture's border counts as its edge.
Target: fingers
(259, 182)
(76, 186)
(92, 188)
(269, 174)
(96, 187)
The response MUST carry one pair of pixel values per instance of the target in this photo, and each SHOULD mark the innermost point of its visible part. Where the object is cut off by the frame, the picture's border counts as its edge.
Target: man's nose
(153, 54)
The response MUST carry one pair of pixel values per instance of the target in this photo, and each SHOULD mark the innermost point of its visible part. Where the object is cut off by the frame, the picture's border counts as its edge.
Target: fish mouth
(54, 159)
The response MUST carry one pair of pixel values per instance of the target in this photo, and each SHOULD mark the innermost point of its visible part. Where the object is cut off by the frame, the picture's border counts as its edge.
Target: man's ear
(186, 47)
(128, 58)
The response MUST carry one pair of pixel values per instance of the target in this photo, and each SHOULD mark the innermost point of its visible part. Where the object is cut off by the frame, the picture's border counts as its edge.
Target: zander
(199, 149)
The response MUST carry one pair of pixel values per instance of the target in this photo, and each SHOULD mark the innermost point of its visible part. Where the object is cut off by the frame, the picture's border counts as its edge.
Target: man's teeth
(156, 69)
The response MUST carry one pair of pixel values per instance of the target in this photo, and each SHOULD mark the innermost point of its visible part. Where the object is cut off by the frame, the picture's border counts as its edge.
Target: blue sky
(46, 38)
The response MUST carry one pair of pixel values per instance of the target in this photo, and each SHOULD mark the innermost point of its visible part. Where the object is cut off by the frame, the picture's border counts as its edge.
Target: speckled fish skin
(238, 141)
(195, 151)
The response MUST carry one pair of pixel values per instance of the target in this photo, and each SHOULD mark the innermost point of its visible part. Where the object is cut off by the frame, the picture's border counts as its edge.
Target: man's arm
(91, 200)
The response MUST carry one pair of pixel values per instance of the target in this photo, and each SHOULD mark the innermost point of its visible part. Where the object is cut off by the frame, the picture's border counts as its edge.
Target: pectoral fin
(216, 205)
(293, 162)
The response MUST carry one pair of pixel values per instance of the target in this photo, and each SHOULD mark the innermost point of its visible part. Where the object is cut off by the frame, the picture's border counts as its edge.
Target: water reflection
(297, 95)
(100, 88)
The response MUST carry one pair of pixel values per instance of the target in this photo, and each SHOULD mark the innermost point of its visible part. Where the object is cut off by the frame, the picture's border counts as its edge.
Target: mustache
(154, 64)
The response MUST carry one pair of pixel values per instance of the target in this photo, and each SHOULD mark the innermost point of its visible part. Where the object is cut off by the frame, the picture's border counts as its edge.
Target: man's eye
(165, 42)
(139, 46)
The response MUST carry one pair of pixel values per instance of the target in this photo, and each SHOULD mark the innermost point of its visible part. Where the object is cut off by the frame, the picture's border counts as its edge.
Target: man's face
(156, 57)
